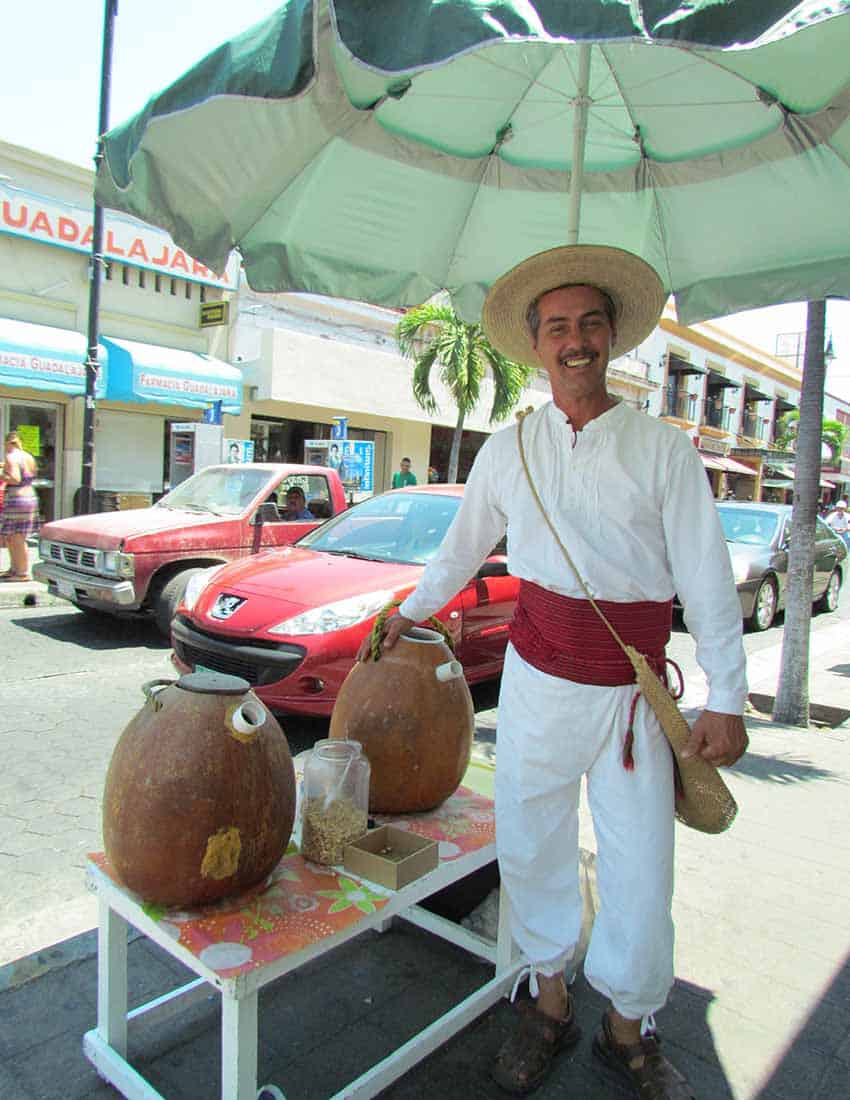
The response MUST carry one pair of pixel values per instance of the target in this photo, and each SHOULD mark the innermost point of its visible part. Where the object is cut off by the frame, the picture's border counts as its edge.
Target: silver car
(758, 537)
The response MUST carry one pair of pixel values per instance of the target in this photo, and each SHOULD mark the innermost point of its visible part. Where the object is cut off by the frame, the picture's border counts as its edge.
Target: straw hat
(634, 287)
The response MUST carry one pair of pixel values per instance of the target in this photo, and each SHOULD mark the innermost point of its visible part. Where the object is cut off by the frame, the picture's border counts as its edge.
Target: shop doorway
(39, 425)
(279, 440)
(471, 443)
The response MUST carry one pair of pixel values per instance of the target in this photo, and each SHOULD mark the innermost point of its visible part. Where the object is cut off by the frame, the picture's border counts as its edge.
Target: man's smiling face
(574, 341)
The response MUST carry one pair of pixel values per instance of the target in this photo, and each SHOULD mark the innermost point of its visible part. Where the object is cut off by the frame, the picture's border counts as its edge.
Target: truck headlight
(196, 584)
(121, 565)
(43, 549)
(335, 616)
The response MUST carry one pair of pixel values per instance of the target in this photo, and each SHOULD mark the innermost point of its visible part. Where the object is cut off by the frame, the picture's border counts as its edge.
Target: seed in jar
(325, 830)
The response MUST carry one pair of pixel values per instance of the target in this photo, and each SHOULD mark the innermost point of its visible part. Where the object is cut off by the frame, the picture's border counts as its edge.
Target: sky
(49, 101)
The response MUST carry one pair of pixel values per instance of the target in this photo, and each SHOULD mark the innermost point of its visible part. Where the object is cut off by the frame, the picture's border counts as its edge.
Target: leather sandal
(642, 1064)
(526, 1058)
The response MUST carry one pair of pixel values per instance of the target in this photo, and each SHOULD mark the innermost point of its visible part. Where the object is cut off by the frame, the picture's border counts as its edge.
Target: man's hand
(393, 627)
(717, 738)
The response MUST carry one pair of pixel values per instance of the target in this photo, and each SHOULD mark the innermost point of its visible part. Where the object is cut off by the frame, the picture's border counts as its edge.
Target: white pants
(550, 733)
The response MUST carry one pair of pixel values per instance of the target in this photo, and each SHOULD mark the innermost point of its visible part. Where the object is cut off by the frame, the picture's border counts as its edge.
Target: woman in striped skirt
(20, 507)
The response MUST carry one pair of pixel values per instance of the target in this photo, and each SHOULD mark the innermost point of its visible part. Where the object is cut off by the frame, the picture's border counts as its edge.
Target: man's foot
(642, 1064)
(528, 1055)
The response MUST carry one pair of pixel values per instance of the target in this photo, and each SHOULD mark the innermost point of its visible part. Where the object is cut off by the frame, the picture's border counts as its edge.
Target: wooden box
(391, 857)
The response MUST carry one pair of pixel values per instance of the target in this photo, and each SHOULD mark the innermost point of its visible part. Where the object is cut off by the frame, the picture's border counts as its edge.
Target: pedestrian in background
(404, 475)
(839, 521)
(18, 519)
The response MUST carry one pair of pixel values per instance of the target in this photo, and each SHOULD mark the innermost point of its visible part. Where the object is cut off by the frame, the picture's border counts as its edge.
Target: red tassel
(628, 743)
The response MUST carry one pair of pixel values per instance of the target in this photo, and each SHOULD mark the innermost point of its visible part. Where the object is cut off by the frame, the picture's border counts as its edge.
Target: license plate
(66, 589)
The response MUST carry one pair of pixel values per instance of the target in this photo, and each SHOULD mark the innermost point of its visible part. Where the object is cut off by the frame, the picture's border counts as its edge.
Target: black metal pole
(86, 496)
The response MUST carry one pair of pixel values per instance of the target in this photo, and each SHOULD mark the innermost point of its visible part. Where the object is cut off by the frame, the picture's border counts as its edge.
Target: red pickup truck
(140, 560)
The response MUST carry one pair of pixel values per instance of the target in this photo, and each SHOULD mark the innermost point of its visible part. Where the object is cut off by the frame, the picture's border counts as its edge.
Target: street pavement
(760, 1006)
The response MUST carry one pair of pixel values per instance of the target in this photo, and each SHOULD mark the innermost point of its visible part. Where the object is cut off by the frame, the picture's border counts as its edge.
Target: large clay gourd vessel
(200, 794)
(412, 712)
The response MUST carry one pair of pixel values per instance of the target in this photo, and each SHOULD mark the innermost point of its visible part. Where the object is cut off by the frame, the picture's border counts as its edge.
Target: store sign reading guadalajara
(50, 221)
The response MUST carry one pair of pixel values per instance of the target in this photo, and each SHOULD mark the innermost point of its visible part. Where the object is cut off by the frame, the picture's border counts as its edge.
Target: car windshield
(397, 527)
(221, 490)
(748, 526)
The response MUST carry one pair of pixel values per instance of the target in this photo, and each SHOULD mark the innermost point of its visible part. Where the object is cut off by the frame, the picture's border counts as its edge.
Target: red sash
(565, 637)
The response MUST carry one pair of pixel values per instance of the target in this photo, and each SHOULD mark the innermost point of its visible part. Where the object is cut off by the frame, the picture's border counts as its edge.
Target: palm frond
(422, 380)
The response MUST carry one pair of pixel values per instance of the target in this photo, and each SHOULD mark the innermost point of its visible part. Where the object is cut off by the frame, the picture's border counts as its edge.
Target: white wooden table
(303, 912)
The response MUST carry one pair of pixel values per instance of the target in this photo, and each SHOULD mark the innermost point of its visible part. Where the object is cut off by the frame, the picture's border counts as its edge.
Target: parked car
(290, 621)
(758, 537)
(139, 561)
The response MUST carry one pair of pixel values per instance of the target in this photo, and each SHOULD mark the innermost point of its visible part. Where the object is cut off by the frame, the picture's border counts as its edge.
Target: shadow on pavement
(325, 1023)
(778, 768)
(92, 630)
(817, 1060)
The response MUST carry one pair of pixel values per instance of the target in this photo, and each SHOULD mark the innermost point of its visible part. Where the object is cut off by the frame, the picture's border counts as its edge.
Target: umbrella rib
(485, 164)
(643, 166)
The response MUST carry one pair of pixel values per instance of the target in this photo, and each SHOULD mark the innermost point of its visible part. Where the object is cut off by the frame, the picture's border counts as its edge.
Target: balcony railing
(681, 405)
(754, 426)
(716, 416)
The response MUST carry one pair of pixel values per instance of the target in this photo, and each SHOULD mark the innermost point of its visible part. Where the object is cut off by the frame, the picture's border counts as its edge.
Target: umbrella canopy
(388, 150)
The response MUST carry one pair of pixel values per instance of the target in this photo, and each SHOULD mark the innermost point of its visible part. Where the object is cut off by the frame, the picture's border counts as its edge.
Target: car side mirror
(266, 513)
(493, 567)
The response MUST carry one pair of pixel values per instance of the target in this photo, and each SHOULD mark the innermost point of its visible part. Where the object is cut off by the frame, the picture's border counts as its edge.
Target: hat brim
(634, 287)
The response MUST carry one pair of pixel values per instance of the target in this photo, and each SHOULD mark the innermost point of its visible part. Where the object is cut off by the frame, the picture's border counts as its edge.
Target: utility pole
(96, 268)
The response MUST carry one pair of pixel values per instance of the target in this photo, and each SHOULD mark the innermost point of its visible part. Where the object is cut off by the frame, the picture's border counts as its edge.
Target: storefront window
(37, 424)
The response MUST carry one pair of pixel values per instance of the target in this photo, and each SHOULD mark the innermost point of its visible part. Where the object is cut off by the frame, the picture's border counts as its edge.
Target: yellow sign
(214, 313)
(30, 438)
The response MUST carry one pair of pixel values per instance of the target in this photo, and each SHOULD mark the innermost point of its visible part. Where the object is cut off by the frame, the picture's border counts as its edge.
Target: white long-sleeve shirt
(630, 500)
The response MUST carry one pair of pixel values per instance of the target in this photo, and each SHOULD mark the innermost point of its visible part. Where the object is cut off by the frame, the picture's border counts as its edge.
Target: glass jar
(335, 802)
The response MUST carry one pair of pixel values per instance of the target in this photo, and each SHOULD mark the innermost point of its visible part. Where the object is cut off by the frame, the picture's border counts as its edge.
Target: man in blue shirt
(296, 505)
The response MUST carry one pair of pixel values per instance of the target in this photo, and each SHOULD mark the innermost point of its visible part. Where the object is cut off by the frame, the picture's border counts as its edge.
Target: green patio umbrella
(387, 150)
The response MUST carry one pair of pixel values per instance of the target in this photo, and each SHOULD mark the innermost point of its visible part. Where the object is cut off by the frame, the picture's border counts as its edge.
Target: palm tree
(433, 334)
(791, 705)
(834, 434)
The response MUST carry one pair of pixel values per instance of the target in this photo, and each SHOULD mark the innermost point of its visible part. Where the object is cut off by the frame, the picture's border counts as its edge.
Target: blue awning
(41, 357)
(169, 376)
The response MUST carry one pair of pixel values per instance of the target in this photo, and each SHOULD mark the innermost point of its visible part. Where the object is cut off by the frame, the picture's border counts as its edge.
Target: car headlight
(197, 583)
(335, 616)
(122, 565)
(740, 571)
(43, 549)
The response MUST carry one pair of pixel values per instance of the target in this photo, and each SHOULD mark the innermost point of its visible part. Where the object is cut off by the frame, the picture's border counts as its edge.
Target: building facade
(157, 364)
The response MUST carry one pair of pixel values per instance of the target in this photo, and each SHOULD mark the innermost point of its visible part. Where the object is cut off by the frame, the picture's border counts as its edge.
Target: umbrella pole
(581, 103)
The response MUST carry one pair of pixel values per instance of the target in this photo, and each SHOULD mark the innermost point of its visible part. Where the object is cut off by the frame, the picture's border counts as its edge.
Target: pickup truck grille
(77, 557)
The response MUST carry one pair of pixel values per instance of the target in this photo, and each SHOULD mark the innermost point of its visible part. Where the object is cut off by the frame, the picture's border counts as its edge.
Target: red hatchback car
(290, 621)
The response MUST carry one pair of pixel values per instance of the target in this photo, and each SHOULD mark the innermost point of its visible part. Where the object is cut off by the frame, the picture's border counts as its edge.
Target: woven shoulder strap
(633, 655)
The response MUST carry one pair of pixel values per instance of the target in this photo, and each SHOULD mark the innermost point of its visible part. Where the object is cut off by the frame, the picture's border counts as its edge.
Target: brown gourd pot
(199, 799)
(412, 712)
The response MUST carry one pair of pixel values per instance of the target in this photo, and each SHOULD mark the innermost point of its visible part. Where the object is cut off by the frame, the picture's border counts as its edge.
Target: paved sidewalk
(759, 1010)
(25, 593)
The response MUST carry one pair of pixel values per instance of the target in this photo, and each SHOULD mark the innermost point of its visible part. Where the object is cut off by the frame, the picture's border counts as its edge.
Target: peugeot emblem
(225, 606)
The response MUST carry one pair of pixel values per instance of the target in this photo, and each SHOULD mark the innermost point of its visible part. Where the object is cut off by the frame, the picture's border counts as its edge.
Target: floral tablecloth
(304, 902)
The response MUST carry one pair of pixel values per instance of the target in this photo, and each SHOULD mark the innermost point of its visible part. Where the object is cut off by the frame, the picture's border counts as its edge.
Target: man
(296, 505)
(404, 475)
(839, 521)
(630, 499)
